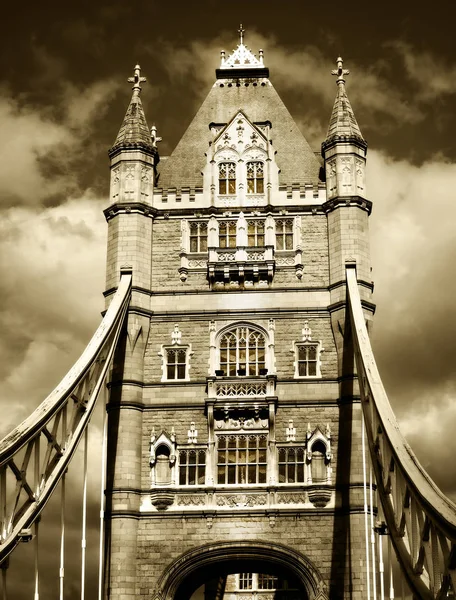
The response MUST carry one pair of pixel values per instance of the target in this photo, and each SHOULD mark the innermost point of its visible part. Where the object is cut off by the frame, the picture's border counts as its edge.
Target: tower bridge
(249, 447)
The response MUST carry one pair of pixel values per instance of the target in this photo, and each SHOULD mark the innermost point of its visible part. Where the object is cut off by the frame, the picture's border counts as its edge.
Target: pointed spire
(134, 132)
(343, 122)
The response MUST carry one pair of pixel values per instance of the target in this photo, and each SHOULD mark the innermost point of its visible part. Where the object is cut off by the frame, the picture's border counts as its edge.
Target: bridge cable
(62, 536)
(37, 561)
(380, 536)
(371, 502)
(366, 526)
(102, 490)
(84, 515)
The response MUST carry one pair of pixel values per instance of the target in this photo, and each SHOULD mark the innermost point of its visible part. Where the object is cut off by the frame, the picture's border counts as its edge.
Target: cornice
(344, 201)
(129, 208)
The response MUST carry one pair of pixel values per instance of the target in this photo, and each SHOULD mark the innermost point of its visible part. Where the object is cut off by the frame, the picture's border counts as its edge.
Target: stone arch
(253, 553)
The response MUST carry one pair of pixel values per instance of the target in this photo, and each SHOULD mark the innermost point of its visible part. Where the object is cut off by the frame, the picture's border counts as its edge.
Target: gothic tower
(234, 452)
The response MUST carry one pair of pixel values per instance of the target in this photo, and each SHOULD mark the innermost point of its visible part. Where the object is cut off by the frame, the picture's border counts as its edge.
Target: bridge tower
(234, 431)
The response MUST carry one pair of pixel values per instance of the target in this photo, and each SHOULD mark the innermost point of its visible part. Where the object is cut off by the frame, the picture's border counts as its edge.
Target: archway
(212, 562)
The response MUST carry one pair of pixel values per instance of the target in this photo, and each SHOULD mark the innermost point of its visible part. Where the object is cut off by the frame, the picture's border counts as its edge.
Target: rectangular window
(198, 237)
(307, 360)
(267, 582)
(241, 459)
(192, 467)
(227, 234)
(291, 465)
(176, 363)
(255, 233)
(255, 178)
(245, 581)
(227, 178)
(284, 234)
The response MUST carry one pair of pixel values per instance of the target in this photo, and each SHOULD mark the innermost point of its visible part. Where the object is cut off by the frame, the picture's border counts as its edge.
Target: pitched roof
(258, 99)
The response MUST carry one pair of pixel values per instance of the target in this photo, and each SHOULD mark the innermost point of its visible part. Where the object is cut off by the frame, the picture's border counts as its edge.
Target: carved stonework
(241, 500)
(320, 497)
(292, 499)
(191, 500)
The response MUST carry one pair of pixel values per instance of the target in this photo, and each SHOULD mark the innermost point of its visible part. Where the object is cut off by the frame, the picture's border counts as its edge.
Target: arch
(192, 563)
(242, 348)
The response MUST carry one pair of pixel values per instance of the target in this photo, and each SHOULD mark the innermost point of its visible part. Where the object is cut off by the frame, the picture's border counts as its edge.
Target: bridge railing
(35, 455)
(420, 519)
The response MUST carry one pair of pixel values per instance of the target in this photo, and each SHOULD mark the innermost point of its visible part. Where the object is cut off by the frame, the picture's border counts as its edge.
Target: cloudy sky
(63, 94)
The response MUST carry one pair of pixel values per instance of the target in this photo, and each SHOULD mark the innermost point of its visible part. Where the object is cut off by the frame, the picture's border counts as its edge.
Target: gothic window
(284, 234)
(307, 359)
(192, 467)
(241, 459)
(318, 464)
(245, 581)
(255, 233)
(198, 237)
(176, 363)
(255, 177)
(242, 352)
(227, 234)
(291, 465)
(227, 178)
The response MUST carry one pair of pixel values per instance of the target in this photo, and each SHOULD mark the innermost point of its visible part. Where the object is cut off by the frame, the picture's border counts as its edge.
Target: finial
(340, 71)
(241, 31)
(137, 80)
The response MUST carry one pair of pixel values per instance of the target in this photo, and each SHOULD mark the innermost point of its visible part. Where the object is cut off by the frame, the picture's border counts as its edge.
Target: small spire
(241, 31)
(137, 80)
(340, 71)
(342, 124)
(134, 131)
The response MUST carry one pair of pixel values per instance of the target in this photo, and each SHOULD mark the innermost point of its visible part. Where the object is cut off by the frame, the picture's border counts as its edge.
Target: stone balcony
(244, 267)
(242, 388)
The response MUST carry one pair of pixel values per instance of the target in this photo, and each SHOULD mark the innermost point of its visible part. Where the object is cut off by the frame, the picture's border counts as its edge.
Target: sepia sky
(63, 94)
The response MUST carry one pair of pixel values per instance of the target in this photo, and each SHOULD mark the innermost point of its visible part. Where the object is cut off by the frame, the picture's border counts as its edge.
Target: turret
(134, 158)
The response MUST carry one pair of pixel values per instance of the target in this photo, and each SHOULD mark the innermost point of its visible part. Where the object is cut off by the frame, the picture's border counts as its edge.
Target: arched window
(255, 177)
(242, 351)
(318, 465)
(227, 178)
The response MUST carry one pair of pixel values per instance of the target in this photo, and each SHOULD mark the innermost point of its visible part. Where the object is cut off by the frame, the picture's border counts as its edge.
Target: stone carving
(241, 500)
(176, 335)
(285, 261)
(292, 499)
(197, 264)
(191, 500)
(231, 390)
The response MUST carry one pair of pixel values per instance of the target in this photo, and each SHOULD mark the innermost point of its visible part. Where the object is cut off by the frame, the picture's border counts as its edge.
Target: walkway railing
(34, 457)
(420, 519)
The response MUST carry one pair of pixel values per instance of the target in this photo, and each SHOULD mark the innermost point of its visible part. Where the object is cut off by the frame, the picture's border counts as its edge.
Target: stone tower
(234, 448)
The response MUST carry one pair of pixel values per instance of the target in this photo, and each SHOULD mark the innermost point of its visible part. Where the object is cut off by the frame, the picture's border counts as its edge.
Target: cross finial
(154, 136)
(137, 80)
(340, 71)
(241, 31)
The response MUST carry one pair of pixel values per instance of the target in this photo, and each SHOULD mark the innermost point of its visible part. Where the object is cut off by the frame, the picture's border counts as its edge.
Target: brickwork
(152, 521)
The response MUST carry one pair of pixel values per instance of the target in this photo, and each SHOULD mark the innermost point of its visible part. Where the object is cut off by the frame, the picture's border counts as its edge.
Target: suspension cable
(62, 538)
(381, 565)
(371, 502)
(390, 569)
(84, 516)
(37, 570)
(102, 492)
(366, 526)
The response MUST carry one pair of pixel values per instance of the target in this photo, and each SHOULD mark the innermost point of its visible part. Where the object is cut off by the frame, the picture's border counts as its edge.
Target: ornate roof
(242, 62)
(134, 131)
(343, 123)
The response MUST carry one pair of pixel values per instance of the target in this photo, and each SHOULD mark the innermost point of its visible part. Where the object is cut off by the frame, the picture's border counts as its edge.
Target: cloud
(431, 75)
(413, 253)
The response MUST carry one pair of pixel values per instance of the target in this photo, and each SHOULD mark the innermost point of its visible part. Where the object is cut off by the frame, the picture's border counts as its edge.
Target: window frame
(226, 352)
(164, 353)
(297, 464)
(201, 237)
(230, 183)
(307, 344)
(241, 466)
(284, 235)
(257, 181)
(200, 467)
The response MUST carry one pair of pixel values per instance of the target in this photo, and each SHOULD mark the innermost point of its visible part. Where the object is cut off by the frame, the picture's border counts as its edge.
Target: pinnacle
(343, 123)
(134, 131)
